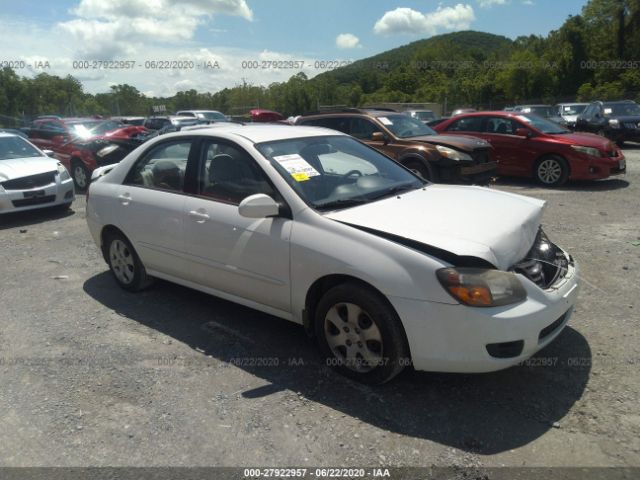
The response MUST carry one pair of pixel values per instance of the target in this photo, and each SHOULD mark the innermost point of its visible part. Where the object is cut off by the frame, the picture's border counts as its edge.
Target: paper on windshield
(607, 111)
(298, 167)
(385, 121)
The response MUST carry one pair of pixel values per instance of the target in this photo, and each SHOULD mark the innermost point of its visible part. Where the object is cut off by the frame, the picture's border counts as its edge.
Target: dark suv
(619, 121)
(438, 158)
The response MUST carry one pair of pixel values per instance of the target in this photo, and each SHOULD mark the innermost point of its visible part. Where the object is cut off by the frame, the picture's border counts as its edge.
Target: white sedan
(29, 178)
(384, 269)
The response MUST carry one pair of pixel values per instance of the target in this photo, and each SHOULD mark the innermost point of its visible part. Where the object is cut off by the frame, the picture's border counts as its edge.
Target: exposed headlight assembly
(62, 171)
(479, 287)
(614, 123)
(594, 152)
(452, 154)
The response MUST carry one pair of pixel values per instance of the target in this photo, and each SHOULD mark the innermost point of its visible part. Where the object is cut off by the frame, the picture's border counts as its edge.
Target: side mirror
(49, 153)
(379, 137)
(258, 206)
(524, 132)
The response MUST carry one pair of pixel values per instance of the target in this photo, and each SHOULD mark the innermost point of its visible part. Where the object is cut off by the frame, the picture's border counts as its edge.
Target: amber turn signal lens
(474, 296)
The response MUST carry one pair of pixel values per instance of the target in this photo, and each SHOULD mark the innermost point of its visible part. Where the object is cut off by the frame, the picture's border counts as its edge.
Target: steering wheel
(353, 172)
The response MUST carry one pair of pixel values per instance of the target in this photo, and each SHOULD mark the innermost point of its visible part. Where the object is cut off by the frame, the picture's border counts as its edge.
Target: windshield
(542, 124)
(404, 126)
(92, 128)
(622, 109)
(215, 116)
(335, 172)
(572, 109)
(16, 147)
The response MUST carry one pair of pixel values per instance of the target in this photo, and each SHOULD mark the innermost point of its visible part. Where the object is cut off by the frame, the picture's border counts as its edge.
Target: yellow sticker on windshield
(300, 177)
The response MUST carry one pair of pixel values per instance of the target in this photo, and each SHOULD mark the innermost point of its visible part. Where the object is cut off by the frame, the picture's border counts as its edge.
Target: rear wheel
(551, 171)
(80, 175)
(360, 335)
(124, 263)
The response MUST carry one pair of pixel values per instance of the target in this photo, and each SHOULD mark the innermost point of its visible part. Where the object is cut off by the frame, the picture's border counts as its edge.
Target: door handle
(125, 199)
(201, 215)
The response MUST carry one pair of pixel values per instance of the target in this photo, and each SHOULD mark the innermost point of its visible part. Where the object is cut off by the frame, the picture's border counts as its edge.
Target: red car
(261, 115)
(83, 144)
(527, 145)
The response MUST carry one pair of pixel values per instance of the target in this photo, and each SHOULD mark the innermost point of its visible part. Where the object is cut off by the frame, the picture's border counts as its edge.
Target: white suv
(313, 226)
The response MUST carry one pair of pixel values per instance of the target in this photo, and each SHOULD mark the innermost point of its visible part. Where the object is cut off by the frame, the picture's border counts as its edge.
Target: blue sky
(229, 31)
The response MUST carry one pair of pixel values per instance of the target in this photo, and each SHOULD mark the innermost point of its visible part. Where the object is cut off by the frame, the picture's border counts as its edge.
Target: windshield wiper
(342, 203)
(394, 190)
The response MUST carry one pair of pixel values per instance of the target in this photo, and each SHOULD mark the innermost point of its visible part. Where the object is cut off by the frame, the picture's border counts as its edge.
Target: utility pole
(621, 14)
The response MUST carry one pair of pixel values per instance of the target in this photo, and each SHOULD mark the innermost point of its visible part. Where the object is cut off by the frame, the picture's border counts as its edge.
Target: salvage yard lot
(95, 376)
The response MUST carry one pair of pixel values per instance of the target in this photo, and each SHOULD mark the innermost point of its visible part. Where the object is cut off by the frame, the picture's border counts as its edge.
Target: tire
(421, 169)
(124, 263)
(80, 175)
(620, 143)
(370, 346)
(551, 171)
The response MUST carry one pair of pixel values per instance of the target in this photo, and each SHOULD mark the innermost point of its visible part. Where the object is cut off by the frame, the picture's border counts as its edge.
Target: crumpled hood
(23, 167)
(498, 227)
(459, 142)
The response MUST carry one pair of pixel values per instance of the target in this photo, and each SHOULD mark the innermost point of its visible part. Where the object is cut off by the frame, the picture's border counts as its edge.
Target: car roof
(258, 133)
(619, 102)
(367, 112)
(199, 111)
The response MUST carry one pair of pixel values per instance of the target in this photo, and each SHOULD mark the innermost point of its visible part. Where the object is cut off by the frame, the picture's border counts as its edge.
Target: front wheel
(552, 171)
(421, 170)
(125, 264)
(360, 335)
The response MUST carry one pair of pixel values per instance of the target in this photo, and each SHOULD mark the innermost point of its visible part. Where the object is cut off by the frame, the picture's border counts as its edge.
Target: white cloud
(408, 21)
(108, 29)
(347, 40)
(491, 3)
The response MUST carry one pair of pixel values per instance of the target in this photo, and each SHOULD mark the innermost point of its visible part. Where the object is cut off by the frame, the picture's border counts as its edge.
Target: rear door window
(468, 124)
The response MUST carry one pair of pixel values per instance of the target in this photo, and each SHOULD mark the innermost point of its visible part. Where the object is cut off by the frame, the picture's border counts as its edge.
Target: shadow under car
(481, 413)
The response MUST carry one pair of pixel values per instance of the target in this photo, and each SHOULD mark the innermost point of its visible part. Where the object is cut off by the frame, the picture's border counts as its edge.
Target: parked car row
(475, 146)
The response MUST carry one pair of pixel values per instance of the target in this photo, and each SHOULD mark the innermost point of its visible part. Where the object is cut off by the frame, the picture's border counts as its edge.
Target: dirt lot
(92, 375)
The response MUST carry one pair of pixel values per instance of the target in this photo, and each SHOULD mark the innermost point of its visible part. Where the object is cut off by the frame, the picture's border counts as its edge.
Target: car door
(244, 257)
(150, 205)
(511, 151)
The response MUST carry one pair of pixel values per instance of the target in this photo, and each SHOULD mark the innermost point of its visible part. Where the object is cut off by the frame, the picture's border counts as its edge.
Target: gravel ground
(94, 376)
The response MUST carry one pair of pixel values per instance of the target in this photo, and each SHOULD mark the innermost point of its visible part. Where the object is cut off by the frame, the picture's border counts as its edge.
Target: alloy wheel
(121, 261)
(549, 171)
(353, 337)
(80, 176)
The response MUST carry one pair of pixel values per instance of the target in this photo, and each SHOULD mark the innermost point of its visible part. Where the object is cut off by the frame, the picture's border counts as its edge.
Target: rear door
(150, 204)
(244, 257)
